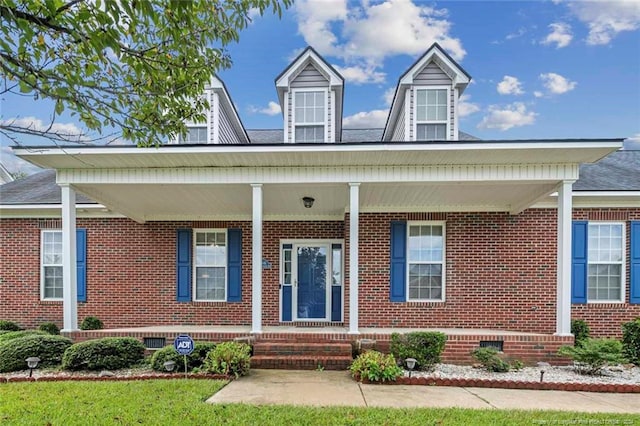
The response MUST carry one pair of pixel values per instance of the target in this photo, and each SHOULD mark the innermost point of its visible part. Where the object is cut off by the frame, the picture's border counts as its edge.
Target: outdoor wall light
(308, 202)
(32, 362)
(169, 366)
(411, 364)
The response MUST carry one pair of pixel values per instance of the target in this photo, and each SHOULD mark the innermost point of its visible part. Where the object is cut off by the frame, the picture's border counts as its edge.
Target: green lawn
(169, 402)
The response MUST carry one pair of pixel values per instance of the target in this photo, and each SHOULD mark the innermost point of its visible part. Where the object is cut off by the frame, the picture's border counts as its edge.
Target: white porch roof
(213, 182)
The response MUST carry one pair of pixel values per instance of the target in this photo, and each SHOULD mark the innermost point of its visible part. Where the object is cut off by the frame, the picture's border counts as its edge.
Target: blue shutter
(398, 261)
(634, 297)
(579, 254)
(81, 264)
(183, 265)
(234, 265)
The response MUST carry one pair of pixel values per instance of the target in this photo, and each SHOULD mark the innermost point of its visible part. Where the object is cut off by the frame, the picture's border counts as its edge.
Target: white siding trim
(408, 120)
(455, 114)
(334, 119)
(286, 117)
(214, 102)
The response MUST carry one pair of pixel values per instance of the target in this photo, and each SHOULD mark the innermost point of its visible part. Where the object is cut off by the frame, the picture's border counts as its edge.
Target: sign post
(184, 345)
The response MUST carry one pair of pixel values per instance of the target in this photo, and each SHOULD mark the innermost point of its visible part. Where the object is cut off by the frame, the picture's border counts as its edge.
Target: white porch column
(69, 279)
(563, 309)
(354, 215)
(256, 261)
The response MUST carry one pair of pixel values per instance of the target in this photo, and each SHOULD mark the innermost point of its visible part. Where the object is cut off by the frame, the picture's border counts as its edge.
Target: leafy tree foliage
(133, 69)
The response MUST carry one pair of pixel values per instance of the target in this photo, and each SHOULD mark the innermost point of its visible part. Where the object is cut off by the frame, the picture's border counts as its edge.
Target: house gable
(426, 99)
(310, 92)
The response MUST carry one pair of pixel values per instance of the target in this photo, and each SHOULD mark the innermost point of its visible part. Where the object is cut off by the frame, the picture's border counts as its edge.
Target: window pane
(336, 263)
(441, 112)
(313, 134)
(53, 282)
(421, 113)
(210, 283)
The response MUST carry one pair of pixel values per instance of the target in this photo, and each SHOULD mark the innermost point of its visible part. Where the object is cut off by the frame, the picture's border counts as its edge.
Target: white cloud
(368, 32)
(466, 107)
(366, 120)
(388, 95)
(65, 130)
(538, 94)
(507, 117)
(560, 35)
(517, 34)
(14, 164)
(606, 19)
(273, 108)
(557, 84)
(361, 74)
(510, 86)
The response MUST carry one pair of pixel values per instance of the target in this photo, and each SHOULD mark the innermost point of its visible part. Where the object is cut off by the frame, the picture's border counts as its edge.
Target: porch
(529, 348)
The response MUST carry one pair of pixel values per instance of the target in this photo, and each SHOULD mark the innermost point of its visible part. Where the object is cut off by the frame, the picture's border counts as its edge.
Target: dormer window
(195, 135)
(431, 114)
(309, 116)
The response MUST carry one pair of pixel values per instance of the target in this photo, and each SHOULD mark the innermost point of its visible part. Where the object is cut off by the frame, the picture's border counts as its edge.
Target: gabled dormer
(425, 105)
(310, 92)
(222, 125)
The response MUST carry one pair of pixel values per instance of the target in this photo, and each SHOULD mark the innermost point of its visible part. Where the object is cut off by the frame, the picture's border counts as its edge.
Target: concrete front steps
(296, 355)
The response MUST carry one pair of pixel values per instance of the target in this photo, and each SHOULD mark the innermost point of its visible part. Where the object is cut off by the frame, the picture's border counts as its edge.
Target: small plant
(631, 340)
(229, 358)
(491, 360)
(50, 328)
(91, 323)
(194, 360)
(320, 368)
(9, 326)
(424, 347)
(375, 367)
(580, 330)
(46, 347)
(594, 354)
(109, 353)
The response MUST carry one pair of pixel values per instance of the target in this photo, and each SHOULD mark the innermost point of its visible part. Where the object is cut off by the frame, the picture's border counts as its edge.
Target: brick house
(336, 233)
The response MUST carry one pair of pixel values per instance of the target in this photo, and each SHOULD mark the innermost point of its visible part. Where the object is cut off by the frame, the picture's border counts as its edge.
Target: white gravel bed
(625, 375)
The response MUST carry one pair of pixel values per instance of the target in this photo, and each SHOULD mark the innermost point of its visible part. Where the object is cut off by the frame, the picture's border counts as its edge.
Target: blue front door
(311, 282)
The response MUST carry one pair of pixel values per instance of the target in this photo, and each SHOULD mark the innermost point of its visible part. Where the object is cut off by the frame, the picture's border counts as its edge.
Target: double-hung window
(425, 261)
(605, 270)
(51, 265)
(210, 266)
(195, 135)
(431, 114)
(309, 116)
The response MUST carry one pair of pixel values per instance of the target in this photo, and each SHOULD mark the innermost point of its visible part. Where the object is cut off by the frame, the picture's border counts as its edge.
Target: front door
(311, 282)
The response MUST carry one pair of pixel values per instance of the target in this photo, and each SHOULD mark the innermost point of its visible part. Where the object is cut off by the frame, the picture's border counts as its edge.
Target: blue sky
(541, 70)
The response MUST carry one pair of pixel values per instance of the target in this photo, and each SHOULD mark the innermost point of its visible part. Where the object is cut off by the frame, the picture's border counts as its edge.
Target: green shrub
(109, 353)
(46, 347)
(9, 326)
(492, 361)
(91, 323)
(580, 330)
(194, 360)
(631, 340)
(229, 358)
(10, 335)
(375, 367)
(49, 327)
(594, 354)
(424, 347)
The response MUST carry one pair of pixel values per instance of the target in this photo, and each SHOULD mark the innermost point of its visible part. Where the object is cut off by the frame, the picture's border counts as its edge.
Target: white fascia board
(596, 199)
(308, 57)
(17, 211)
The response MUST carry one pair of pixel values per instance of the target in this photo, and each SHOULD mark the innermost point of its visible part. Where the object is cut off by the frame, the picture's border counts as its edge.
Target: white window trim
(447, 120)
(195, 265)
(325, 123)
(443, 262)
(623, 267)
(42, 265)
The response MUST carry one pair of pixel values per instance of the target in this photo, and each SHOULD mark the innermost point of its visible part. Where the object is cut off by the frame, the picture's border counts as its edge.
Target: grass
(170, 402)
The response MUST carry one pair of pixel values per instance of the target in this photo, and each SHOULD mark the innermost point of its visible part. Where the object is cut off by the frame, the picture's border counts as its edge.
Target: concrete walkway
(326, 388)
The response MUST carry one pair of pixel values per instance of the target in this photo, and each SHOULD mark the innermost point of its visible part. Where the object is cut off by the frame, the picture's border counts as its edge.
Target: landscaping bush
(580, 330)
(169, 353)
(91, 323)
(491, 360)
(594, 354)
(49, 327)
(9, 326)
(10, 335)
(109, 353)
(46, 347)
(424, 346)
(375, 367)
(631, 341)
(229, 358)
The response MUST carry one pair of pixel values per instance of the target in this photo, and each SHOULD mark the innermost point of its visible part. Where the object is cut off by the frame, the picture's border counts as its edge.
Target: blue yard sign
(183, 344)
